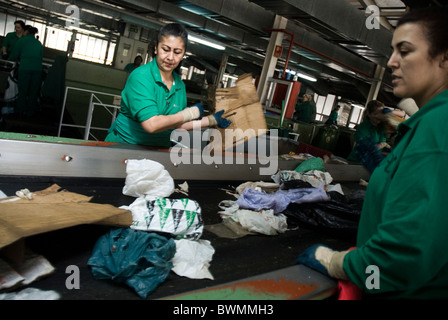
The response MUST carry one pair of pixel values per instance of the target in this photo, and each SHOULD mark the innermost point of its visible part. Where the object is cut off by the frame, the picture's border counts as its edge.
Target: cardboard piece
(52, 209)
(242, 106)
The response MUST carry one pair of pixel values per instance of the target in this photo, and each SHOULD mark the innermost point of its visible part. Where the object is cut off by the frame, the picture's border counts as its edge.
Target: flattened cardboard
(50, 210)
(242, 106)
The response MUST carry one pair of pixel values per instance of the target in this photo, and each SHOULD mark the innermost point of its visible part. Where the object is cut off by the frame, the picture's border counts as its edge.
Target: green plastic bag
(137, 258)
(311, 164)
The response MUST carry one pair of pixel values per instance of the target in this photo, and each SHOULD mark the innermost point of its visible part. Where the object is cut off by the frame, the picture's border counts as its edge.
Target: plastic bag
(179, 217)
(339, 216)
(137, 258)
(147, 177)
(192, 259)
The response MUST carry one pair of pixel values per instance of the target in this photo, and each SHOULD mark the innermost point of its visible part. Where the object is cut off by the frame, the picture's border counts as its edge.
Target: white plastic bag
(179, 217)
(147, 177)
(192, 259)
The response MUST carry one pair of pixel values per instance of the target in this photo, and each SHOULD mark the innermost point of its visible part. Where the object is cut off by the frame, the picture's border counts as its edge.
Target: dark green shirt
(404, 221)
(10, 42)
(144, 96)
(305, 111)
(28, 51)
(367, 129)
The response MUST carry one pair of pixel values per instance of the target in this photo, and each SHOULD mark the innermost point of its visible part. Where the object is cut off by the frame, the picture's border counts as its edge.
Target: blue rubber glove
(324, 260)
(220, 121)
(200, 107)
(308, 258)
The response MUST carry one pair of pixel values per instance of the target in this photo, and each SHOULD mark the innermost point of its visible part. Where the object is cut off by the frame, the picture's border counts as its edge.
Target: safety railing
(94, 101)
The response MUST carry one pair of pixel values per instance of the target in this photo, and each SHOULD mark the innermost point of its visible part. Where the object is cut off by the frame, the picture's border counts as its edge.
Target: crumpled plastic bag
(279, 200)
(264, 221)
(137, 258)
(181, 218)
(147, 177)
(338, 217)
(315, 177)
(192, 259)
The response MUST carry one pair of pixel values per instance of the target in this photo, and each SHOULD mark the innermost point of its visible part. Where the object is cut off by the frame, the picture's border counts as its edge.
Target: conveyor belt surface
(233, 259)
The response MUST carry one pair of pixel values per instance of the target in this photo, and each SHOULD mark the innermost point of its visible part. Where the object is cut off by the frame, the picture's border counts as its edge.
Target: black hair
(31, 30)
(22, 24)
(433, 20)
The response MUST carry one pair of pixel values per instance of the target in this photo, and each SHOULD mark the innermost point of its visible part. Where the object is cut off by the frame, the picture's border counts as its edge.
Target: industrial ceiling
(329, 39)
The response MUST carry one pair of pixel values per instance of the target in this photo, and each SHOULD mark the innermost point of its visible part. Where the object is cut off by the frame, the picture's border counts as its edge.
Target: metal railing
(93, 102)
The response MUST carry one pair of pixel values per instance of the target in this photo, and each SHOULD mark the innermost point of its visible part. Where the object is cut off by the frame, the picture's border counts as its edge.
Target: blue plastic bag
(137, 258)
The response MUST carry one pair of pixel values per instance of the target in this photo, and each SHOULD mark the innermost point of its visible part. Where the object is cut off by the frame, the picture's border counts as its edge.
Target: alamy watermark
(373, 19)
(263, 148)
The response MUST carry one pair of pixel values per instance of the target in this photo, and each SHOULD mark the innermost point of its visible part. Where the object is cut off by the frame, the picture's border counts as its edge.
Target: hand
(325, 260)
(200, 108)
(217, 120)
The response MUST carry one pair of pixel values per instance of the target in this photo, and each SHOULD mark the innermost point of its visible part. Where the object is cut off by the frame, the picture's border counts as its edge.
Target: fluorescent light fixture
(306, 77)
(206, 42)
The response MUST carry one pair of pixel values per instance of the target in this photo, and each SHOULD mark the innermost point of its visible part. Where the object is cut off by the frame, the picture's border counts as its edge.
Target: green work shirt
(28, 51)
(305, 112)
(367, 129)
(403, 228)
(144, 96)
(10, 41)
(334, 116)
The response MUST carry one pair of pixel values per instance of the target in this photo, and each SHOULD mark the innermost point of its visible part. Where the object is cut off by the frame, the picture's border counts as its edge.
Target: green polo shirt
(403, 228)
(10, 41)
(367, 129)
(28, 50)
(305, 112)
(145, 95)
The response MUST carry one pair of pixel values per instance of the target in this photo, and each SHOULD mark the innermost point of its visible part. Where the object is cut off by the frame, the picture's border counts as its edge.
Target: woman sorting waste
(154, 100)
(401, 248)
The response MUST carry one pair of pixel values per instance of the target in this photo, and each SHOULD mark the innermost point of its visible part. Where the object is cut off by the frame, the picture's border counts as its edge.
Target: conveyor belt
(234, 258)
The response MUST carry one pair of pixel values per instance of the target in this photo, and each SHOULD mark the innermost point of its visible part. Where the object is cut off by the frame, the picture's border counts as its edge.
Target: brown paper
(242, 106)
(51, 209)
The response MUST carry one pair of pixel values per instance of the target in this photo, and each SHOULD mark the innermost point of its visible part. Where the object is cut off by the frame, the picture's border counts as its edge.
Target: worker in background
(333, 118)
(134, 65)
(401, 248)
(11, 39)
(154, 100)
(370, 136)
(305, 111)
(28, 52)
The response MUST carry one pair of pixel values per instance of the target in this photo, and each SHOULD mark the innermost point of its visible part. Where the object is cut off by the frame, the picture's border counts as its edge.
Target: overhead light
(206, 42)
(306, 77)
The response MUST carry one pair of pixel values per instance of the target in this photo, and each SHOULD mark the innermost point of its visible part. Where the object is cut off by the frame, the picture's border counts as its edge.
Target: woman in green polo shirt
(28, 51)
(401, 249)
(154, 100)
(11, 39)
(370, 127)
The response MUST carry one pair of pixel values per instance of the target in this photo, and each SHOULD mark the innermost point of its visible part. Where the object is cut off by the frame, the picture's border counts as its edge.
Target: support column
(222, 70)
(270, 61)
(376, 84)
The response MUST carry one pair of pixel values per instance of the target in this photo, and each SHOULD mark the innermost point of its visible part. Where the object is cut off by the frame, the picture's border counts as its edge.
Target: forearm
(190, 125)
(161, 123)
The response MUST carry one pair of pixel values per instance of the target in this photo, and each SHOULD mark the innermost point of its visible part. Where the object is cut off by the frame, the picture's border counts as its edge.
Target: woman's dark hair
(433, 20)
(22, 24)
(31, 30)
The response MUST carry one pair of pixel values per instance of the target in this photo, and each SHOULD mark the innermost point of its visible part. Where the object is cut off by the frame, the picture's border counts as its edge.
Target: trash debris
(147, 177)
(139, 259)
(31, 294)
(179, 217)
(192, 259)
